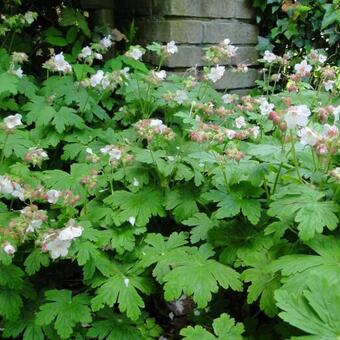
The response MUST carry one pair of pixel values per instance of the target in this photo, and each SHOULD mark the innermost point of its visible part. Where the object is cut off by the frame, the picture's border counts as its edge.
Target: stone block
(237, 80)
(238, 32)
(191, 55)
(134, 7)
(97, 4)
(182, 31)
(204, 8)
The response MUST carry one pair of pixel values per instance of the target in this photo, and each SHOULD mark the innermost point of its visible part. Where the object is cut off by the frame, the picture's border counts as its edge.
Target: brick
(190, 55)
(236, 80)
(204, 8)
(238, 32)
(182, 31)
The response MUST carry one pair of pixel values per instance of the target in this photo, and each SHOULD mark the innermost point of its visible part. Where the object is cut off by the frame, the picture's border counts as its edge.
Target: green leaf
(199, 276)
(66, 117)
(35, 260)
(202, 224)
(302, 203)
(39, 112)
(64, 311)
(141, 205)
(316, 310)
(163, 252)
(16, 143)
(225, 328)
(8, 83)
(10, 303)
(11, 276)
(122, 290)
(181, 201)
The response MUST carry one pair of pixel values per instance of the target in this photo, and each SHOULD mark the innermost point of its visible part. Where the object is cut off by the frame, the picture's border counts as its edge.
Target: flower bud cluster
(32, 218)
(234, 154)
(90, 181)
(116, 154)
(35, 156)
(149, 128)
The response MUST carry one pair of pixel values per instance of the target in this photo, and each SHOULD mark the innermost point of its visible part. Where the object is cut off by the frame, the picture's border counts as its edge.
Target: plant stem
(296, 164)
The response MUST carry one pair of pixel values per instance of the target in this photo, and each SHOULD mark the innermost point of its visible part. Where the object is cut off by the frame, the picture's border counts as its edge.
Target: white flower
(228, 98)
(13, 121)
(266, 107)
(18, 72)
(230, 134)
(269, 57)
(33, 225)
(114, 153)
(255, 131)
(71, 231)
(171, 47)
(97, 78)
(135, 53)
(161, 75)
(155, 123)
(18, 192)
(297, 116)
(181, 96)
(29, 17)
(53, 196)
(303, 68)
(60, 64)
(216, 73)
(6, 186)
(329, 84)
(135, 182)
(8, 249)
(126, 282)
(308, 136)
(89, 151)
(85, 52)
(322, 58)
(98, 56)
(132, 220)
(106, 42)
(58, 248)
(330, 131)
(240, 122)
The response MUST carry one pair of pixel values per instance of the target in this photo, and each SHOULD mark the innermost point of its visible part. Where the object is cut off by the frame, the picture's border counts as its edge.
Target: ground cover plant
(136, 204)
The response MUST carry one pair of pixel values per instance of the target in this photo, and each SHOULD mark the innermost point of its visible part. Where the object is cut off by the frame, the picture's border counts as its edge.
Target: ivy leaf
(64, 311)
(202, 224)
(303, 204)
(163, 252)
(122, 290)
(141, 205)
(315, 310)
(66, 117)
(225, 328)
(200, 276)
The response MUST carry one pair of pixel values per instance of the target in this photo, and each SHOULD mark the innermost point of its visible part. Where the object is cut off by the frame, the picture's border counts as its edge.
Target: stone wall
(195, 24)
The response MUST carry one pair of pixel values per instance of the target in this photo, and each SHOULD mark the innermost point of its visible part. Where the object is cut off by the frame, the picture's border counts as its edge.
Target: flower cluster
(32, 218)
(95, 50)
(106, 81)
(12, 188)
(116, 154)
(214, 73)
(222, 52)
(149, 128)
(135, 52)
(58, 242)
(57, 63)
(17, 58)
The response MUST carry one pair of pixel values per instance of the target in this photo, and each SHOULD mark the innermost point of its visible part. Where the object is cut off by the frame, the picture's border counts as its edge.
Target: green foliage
(137, 207)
